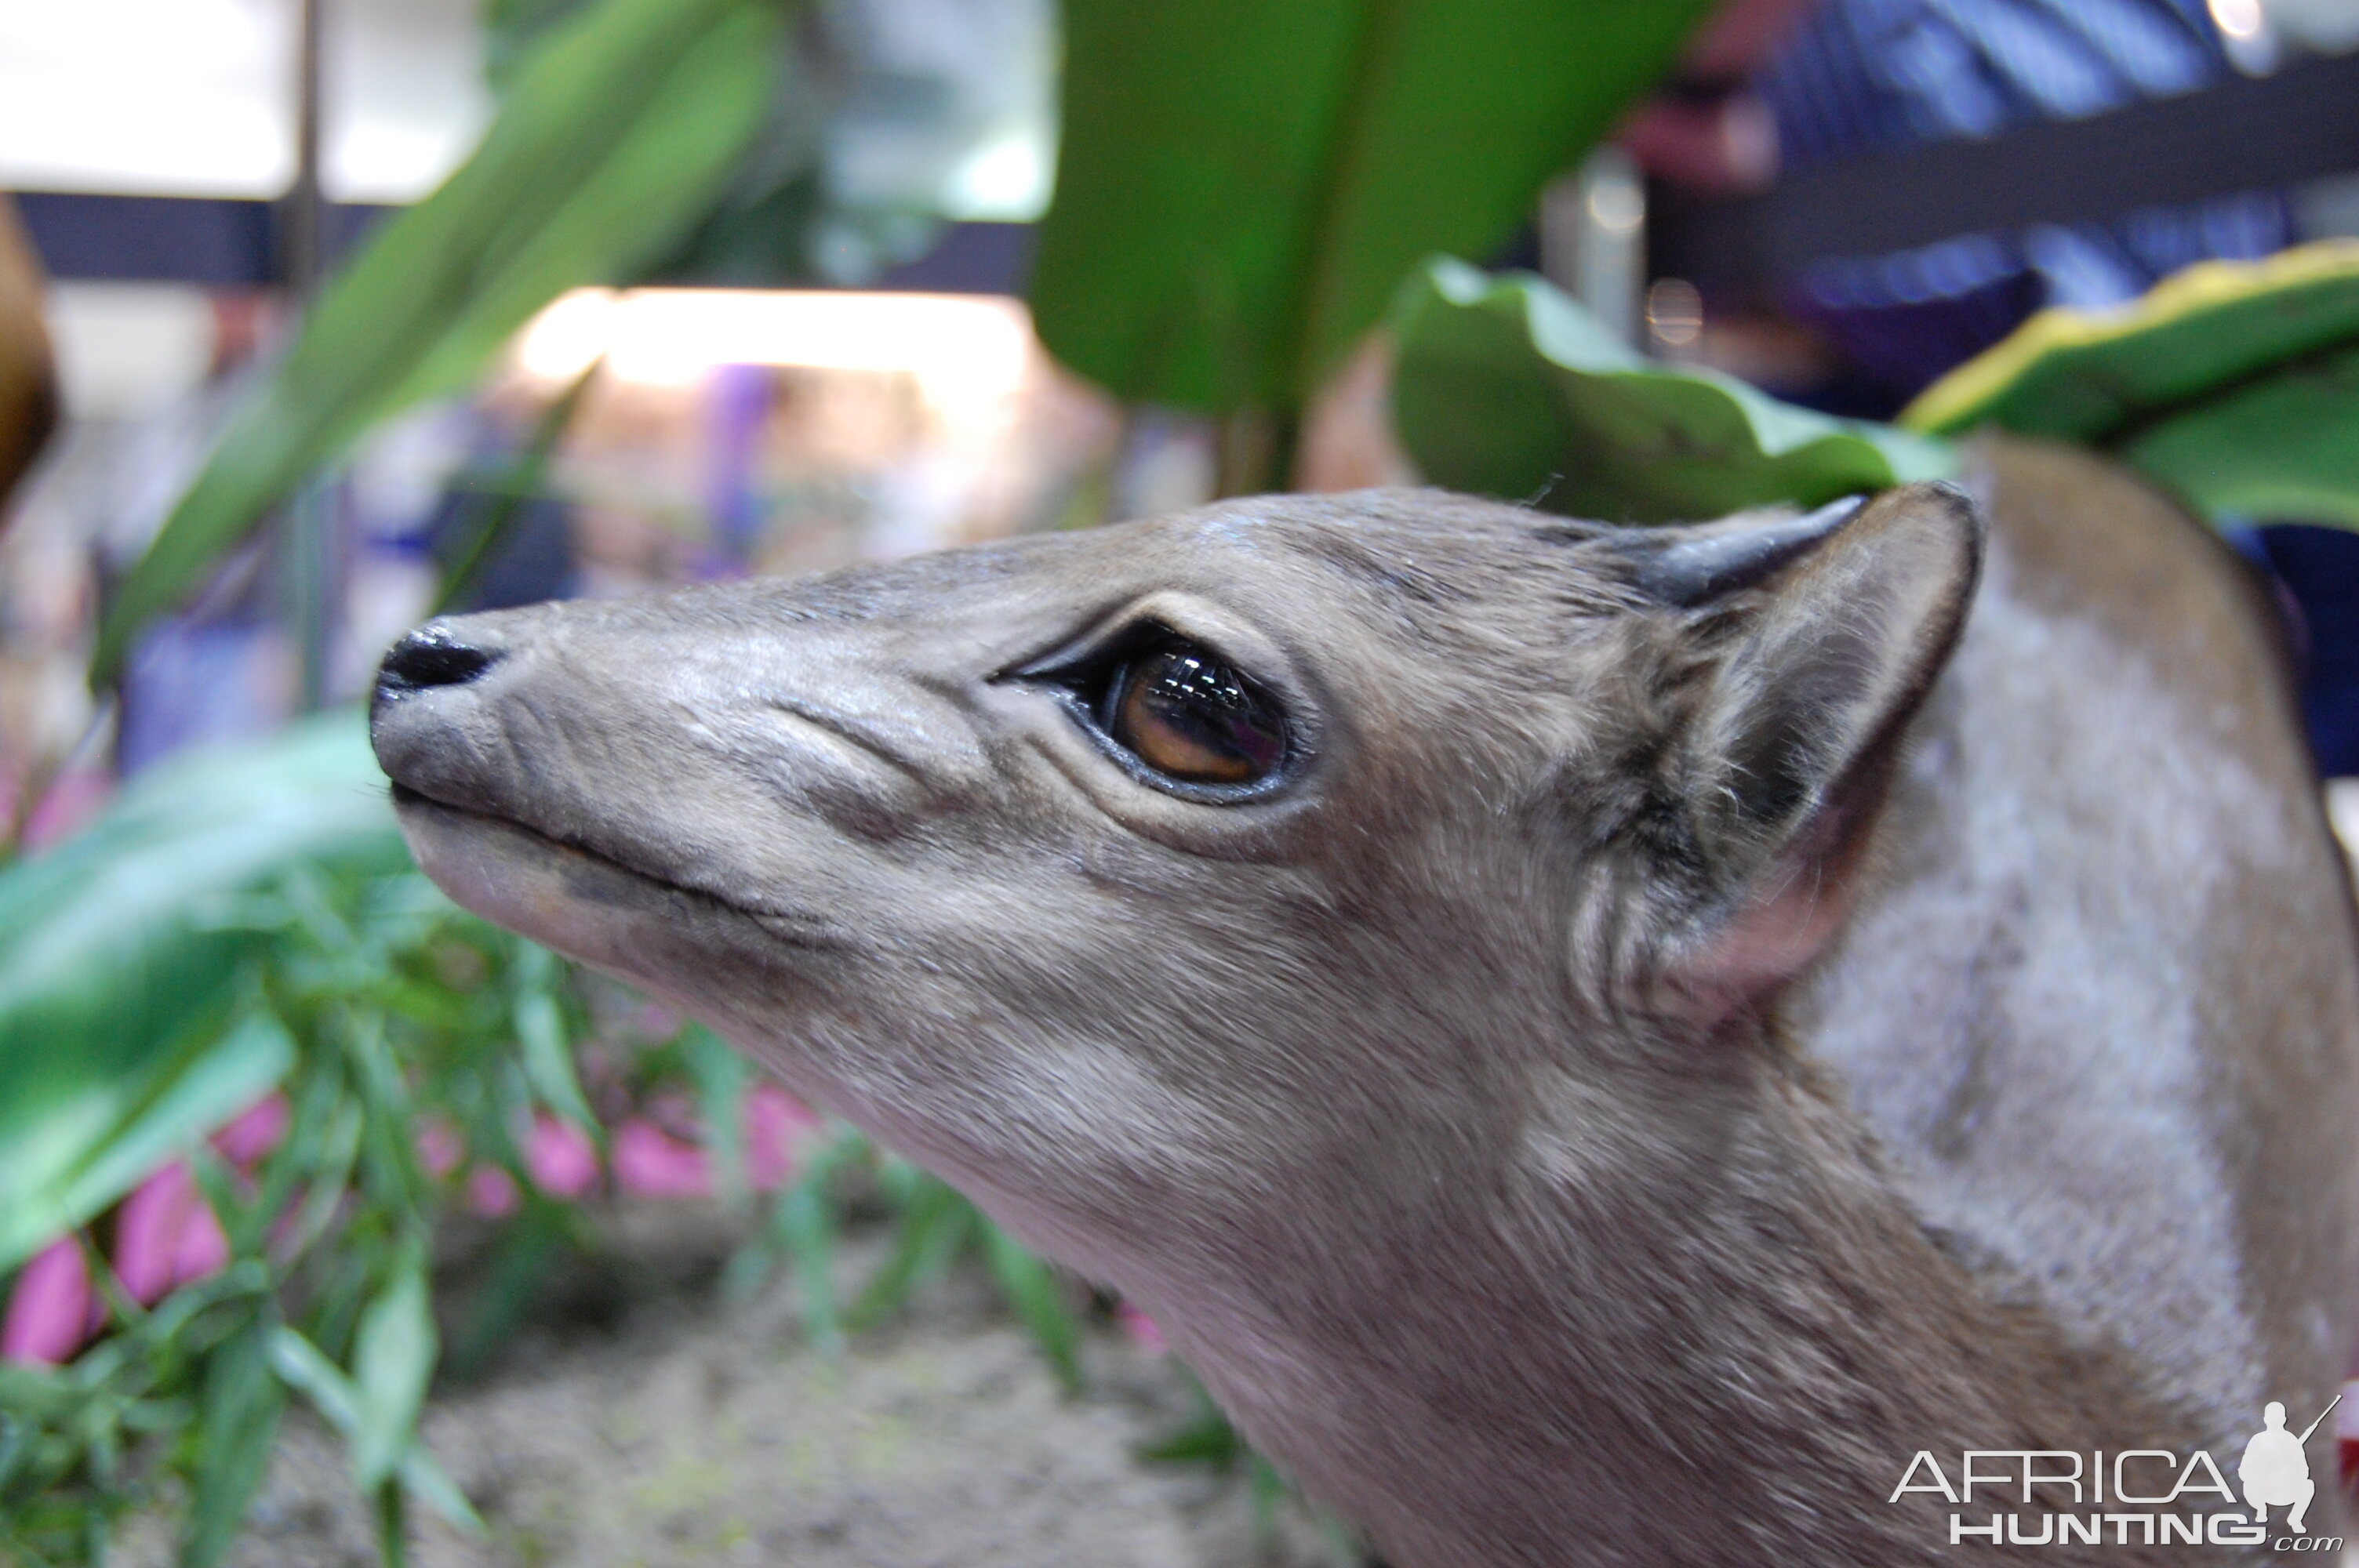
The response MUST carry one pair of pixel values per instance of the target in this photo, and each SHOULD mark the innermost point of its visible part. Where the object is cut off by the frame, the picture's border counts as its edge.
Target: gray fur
(1570, 1117)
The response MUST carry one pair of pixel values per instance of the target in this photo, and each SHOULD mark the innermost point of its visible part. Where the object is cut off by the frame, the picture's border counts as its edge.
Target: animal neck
(1718, 1333)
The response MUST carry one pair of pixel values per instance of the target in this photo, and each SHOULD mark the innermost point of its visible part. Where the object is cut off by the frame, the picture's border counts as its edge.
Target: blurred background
(319, 317)
(1835, 200)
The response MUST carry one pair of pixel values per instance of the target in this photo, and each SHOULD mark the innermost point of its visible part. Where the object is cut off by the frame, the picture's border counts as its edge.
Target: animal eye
(1188, 714)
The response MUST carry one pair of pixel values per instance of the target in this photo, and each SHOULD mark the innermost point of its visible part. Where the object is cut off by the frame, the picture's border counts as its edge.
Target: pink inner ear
(1739, 962)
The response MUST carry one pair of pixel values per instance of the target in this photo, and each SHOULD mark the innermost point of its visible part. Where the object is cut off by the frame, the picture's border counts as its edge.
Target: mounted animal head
(1220, 899)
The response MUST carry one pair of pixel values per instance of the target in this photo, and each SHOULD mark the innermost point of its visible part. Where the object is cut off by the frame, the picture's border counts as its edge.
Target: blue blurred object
(1861, 77)
(2318, 569)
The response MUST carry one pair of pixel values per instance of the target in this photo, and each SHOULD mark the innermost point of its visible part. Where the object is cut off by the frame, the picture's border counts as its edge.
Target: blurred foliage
(118, 970)
(620, 130)
(326, 1293)
(2234, 383)
(1506, 387)
(1242, 185)
(307, 957)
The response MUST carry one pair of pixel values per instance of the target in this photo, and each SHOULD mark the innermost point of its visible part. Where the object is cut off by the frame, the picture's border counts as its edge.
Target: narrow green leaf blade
(426, 1481)
(1505, 387)
(243, 1404)
(723, 1078)
(549, 1058)
(620, 131)
(925, 1237)
(304, 1368)
(393, 1357)
(1032, 1290)
(79, 1166)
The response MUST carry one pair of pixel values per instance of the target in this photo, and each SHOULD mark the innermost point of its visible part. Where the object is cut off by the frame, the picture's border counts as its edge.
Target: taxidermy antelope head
(1445, 963)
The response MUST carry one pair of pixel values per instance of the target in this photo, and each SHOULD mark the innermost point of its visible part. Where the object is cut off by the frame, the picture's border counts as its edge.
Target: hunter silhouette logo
(2275, 1471)
(2136, 1497)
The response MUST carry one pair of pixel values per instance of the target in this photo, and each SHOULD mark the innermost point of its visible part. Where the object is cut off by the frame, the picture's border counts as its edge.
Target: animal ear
(1787, 761)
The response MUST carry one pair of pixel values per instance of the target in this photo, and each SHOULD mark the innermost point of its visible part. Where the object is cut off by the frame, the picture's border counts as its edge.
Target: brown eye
(1186, 714)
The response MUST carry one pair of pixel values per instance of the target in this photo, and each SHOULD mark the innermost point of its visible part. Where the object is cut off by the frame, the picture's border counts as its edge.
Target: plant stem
(521, 479)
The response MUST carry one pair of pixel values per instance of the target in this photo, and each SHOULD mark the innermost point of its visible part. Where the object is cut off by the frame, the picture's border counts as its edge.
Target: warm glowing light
(1617, 204)
(960, 347)
(1674, 313)
(2237, 18)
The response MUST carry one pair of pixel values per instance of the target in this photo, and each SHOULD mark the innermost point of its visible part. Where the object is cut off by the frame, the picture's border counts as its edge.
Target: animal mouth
(415, 807)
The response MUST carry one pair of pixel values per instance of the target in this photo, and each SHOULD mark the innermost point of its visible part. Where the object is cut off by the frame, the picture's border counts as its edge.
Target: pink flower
(439, 1148)
(1139, 1327)
(653, 1163)
(776, 1125)
(166, 1236)
(561, 1158)
(491, 1192)
(254, 1132)
(52, 1309)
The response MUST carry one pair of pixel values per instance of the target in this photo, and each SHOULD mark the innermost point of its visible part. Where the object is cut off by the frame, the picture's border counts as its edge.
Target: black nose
(431, 656)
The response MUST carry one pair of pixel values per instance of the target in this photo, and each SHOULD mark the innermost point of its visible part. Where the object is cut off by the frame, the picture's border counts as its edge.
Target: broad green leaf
(116, 977)
(1505, 387)
(2235, 383)
(101, 1144)
(2283, 446)
(243, 1404)
(2092, 375)
(1242, 184)
(393, 1357)
(622, 128)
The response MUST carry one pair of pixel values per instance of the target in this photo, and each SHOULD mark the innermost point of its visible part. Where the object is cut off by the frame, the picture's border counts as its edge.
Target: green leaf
(116, 979)
(526, 475)
(2235, 383)
(620, 131)
(549, 1060)
(2088, 375)
(721, 1077)
(243, 1404)
(929, 1232)
(2282, 447)
(1507, 387)
(1206, 1439)
(514, 1275)
(393, 1357)
(300, 1363)
(1242, 184)
(106, 1138)
(803, 1226)
(1032, 1289)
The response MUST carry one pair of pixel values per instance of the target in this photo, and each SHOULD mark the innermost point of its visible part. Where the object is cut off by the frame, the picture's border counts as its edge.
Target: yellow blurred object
(28, 388)
(2076, 374)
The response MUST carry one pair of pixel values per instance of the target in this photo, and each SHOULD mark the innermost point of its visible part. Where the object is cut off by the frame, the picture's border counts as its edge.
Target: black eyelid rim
(1140, 625)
